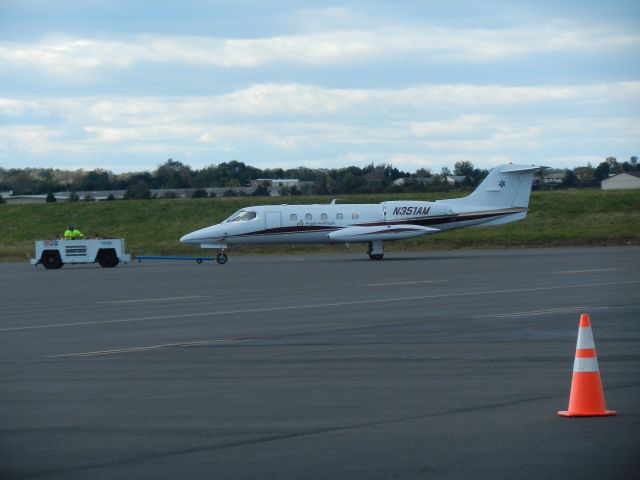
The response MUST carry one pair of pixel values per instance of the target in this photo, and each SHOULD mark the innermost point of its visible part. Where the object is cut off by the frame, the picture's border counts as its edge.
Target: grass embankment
(562, 218)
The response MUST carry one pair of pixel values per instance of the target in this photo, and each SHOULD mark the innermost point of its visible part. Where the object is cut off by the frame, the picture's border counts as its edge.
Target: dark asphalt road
(437, 365)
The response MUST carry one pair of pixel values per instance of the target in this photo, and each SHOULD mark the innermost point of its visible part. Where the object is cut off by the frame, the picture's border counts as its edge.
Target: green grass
(561, 218)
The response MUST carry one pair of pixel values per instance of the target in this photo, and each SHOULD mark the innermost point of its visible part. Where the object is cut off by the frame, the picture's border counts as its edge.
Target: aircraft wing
(380, 232)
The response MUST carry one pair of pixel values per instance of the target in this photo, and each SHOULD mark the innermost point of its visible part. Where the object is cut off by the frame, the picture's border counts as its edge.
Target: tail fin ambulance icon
(586, 398)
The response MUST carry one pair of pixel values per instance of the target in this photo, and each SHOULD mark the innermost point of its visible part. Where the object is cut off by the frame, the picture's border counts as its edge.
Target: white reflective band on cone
(585, 364)
(585, 338)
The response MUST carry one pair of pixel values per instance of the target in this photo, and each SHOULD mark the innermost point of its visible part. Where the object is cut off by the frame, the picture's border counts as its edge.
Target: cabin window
(338, 216)
(355, 216)
(293, 217)
(308, 217)
(324, 217)
(243, 216)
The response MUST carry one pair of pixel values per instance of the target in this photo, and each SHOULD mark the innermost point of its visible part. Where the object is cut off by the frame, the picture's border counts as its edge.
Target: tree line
(174, 174)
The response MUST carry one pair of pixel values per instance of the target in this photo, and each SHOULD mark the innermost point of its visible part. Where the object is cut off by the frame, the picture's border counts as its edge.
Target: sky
(126, 85)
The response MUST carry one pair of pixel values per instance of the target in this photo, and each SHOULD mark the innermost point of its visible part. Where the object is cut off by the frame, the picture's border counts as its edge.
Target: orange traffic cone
(586, 398)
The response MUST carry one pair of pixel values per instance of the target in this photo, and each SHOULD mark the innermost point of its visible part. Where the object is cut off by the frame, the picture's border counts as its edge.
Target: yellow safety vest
(77, 234)
(68, 234)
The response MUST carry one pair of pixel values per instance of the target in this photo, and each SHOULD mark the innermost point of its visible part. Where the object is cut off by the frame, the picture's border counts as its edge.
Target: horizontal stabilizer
(519, 168)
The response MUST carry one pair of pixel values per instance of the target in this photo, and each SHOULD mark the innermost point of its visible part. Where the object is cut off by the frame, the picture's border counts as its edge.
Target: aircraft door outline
(273, 220)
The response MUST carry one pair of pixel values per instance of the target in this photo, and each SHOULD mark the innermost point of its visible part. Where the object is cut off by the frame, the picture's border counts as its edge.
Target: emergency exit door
(273, 220)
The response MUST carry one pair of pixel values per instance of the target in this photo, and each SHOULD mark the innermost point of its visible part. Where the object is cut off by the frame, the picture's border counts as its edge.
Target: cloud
(287, 101)
(462, 124)
(269, 99)
(70, 56)
(413, 127)
(11, 107)
(35, 139)
(456, 107)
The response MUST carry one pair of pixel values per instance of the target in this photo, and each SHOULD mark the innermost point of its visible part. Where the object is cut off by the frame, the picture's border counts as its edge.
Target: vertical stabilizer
(506, 186)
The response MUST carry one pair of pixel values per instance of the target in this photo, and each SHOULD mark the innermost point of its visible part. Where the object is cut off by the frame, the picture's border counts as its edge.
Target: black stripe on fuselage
(292, 229)
(420, 221)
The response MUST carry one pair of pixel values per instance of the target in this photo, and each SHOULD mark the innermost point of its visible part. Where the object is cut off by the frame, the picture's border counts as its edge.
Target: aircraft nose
(204, 235)
(190, 238)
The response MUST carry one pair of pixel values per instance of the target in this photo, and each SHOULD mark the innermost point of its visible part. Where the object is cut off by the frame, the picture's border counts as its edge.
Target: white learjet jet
(502, 197)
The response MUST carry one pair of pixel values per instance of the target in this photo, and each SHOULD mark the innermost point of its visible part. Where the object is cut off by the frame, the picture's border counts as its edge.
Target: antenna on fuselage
(333, 202)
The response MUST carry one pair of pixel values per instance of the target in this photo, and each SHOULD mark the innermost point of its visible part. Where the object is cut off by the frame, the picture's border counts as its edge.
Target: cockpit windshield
(242, 216)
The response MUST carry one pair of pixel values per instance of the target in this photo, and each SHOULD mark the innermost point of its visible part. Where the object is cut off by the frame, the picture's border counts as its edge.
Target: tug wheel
(51, 259)
(107, 258)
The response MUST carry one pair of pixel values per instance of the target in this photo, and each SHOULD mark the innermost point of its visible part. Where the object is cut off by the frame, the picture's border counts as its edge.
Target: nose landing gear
(222, 258)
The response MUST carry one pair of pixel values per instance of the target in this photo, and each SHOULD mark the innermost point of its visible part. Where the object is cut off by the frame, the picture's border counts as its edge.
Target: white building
(418, 180)
(554, 178)
(276, 185)
(276, 182)
(456, 179)
(621, 181)
(22, 199)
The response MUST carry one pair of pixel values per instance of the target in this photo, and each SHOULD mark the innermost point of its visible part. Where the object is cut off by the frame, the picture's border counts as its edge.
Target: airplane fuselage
(282, 224)
(502, 197)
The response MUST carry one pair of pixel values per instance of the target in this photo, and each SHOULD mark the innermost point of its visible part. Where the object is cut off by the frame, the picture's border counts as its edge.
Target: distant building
(456, 178)
(418, 180)
(97, 195)
(275, 185)
(276, 182)
(621, 181)
(275, 189)
(22, 199)
(554, 178)
(220, 191)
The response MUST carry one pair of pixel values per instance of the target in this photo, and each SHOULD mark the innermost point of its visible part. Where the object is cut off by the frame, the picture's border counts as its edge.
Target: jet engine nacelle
(379, 232)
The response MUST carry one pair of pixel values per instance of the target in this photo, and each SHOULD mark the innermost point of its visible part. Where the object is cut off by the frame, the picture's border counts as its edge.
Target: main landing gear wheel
(376, 250)
(221, 258)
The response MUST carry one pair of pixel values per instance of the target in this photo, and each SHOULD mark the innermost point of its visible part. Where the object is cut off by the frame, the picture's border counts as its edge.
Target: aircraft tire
(222, 258)
(376, 256)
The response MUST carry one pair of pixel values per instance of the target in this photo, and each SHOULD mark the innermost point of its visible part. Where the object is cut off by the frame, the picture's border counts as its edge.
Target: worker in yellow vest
(77, 234)
(72, 233)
